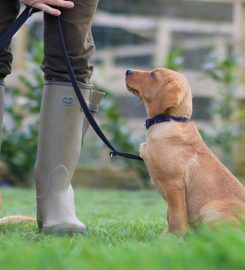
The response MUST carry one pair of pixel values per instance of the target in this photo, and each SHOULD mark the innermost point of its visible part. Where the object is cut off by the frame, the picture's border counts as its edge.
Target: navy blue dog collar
(164, 118)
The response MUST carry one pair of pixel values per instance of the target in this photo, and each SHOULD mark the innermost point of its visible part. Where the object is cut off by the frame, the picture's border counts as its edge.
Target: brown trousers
(76, 25)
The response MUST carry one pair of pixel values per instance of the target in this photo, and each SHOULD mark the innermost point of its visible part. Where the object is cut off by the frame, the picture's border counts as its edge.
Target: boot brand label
(68, 101)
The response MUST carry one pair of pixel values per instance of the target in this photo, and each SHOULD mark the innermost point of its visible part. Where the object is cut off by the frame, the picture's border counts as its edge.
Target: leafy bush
(224, 72)
(175, 60)
(22, 108)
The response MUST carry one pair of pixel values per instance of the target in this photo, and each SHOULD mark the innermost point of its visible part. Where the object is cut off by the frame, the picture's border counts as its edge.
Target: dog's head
(163, 91)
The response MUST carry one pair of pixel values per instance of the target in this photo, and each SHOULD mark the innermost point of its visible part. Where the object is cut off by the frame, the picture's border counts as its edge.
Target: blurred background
(203, 39)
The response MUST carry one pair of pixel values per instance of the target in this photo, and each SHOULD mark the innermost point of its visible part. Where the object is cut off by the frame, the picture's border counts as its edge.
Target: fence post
(239, 47)
(163, 40)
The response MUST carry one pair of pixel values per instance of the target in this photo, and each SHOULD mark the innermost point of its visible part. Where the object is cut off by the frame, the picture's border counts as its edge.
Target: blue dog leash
(7, 36)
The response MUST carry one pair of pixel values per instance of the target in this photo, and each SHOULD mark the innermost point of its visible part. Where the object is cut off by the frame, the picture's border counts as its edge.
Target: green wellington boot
(62, 124)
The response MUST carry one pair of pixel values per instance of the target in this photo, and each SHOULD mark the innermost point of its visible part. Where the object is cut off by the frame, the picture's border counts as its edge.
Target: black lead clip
(112, 155)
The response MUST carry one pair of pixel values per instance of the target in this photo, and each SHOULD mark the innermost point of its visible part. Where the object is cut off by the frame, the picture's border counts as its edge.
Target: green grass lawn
(125, 231)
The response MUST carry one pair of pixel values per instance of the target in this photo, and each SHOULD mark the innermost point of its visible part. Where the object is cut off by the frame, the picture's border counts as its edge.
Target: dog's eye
(153, 75)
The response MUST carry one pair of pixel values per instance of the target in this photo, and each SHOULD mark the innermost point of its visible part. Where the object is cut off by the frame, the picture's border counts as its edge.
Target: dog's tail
(16, 219)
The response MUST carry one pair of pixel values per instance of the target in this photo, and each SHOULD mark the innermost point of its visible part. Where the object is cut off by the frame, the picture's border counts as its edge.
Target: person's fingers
(60, 3)
(48, 6)
(48, 9)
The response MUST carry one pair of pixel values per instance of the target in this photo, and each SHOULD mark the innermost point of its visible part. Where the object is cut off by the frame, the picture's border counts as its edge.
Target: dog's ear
(170, 95)
(173, 94)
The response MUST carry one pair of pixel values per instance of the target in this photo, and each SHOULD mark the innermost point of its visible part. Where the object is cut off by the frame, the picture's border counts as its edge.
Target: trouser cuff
(87, 86)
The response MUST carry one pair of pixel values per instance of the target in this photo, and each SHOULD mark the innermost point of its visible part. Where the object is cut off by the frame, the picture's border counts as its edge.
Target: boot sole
(62, 229)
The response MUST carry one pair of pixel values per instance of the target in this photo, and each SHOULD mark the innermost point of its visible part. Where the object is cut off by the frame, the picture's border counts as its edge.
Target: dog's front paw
(178, 231)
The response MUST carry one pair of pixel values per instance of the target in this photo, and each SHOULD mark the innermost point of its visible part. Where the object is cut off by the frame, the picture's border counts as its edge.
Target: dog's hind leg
(215, 212)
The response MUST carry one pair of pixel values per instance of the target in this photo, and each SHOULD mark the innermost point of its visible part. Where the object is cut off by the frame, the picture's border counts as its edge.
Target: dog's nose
(129, 72)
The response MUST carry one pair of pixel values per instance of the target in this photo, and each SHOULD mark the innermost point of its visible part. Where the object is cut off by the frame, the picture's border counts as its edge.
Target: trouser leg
(9, 10)
(1, 108)
(76, 26)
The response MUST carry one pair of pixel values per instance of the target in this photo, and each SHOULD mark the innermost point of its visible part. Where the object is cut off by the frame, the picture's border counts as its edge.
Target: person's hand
(48, 6)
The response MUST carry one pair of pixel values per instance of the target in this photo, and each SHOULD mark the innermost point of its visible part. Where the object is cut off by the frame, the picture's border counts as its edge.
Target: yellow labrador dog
(192, 180)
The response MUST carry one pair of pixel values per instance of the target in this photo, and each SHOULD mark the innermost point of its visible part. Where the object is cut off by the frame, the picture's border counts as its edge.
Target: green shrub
(224, 72)
(22, 106)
